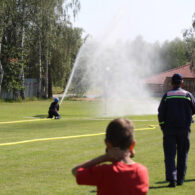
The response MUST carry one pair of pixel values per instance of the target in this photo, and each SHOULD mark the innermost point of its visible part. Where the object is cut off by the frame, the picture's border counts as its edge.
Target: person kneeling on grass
(123, 176)
(53, 109)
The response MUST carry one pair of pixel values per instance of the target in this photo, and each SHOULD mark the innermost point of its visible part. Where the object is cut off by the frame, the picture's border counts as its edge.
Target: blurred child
(123, 176)
(53, 109)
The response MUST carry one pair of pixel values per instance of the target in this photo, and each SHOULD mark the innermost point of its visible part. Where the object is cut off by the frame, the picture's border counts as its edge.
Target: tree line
(37, 40)
(169, 54)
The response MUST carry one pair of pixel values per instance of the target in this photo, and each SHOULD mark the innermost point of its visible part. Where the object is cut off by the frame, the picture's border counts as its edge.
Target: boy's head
(120, 133)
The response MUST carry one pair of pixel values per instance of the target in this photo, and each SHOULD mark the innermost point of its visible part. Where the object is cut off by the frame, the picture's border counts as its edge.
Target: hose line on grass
(150, 127)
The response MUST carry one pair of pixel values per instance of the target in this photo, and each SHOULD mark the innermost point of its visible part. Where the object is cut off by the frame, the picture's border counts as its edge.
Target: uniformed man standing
(175, 117)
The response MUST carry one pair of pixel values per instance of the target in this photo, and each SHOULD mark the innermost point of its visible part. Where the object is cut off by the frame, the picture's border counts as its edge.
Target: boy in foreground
(123, 176)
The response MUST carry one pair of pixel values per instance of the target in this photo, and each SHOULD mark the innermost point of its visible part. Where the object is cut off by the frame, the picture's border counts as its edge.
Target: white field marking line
(151, 127)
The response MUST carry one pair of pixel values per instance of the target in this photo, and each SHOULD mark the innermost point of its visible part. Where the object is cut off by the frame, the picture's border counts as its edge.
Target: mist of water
(114, 71)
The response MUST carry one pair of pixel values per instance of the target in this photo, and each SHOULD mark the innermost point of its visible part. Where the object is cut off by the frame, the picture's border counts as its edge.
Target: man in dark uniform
(53, 109)
(175, 117)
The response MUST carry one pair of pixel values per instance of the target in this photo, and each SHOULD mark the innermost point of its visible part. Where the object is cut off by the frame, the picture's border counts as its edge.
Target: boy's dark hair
(120, 133)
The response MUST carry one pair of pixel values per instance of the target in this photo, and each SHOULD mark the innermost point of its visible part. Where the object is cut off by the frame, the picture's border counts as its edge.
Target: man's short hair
(177, 79)
(120, 133)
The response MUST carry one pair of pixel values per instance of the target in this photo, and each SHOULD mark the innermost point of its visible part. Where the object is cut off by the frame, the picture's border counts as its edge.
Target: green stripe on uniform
(181, 97)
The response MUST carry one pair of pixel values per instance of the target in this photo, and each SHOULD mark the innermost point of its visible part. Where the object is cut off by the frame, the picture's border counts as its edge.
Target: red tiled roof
(160, 78)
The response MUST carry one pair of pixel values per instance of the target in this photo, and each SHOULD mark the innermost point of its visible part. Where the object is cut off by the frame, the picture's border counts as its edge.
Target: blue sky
(154, 20)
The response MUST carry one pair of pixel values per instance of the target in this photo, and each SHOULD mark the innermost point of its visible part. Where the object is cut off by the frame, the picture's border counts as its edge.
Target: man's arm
(161, 112)
(193, 103)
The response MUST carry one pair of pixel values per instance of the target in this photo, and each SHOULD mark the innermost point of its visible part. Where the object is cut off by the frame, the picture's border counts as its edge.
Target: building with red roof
(160, 83)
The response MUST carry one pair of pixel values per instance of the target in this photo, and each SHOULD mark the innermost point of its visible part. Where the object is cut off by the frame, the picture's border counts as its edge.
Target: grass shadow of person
(186, 180)
(189, 180)
(156, 187)
(164, 182)
(93, 191)
(161, 182)
(40, 116)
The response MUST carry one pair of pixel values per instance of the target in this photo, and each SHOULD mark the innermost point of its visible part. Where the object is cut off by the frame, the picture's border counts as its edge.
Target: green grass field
(44, 167)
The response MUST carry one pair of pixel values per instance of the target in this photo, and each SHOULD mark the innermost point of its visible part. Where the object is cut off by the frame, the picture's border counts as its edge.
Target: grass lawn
(44, 167)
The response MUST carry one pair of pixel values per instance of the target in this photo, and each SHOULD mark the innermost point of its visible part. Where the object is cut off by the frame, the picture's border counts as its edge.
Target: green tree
(52, 20)
(173, 54)
(37, 40)
(11, 51)
(63, 57)
(2, 28)
(189, 37)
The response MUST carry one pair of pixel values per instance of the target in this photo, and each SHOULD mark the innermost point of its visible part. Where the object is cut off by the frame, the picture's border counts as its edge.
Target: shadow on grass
(163, 182)
(93, 191)
(186, 180)
(189, 180)
(156, 187)
(41, 116)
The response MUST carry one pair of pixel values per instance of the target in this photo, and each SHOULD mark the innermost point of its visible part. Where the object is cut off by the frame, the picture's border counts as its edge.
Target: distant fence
(31, 88)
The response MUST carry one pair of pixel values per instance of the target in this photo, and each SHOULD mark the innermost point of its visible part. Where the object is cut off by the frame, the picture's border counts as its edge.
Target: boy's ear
(131, 149)
(108, 144)
(132, 145)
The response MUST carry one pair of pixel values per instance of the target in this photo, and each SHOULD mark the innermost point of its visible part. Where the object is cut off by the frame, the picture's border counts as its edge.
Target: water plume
(114, 71)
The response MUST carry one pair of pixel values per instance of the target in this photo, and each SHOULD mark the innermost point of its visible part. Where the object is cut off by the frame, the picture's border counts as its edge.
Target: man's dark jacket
(175, 111)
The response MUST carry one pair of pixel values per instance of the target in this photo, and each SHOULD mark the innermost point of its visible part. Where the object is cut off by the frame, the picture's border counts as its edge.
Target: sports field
(37, 155)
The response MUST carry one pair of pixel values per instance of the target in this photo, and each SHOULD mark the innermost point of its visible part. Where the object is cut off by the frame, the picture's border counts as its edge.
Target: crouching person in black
(53, 109)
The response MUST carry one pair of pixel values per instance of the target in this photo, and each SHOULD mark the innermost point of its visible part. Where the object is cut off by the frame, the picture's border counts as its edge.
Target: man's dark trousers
(179, 142)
